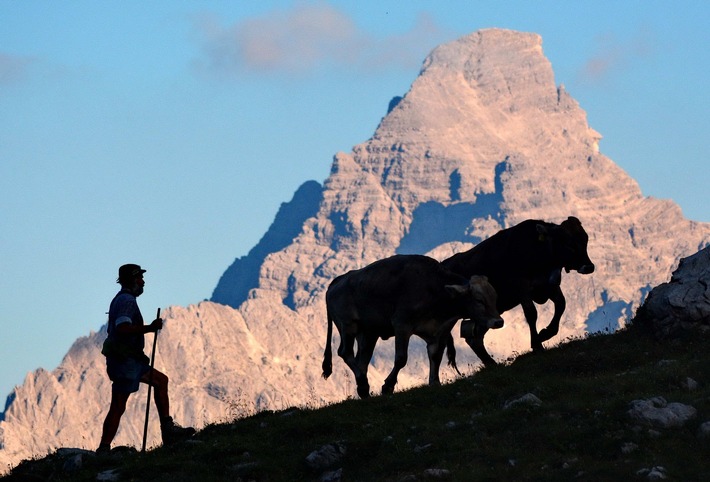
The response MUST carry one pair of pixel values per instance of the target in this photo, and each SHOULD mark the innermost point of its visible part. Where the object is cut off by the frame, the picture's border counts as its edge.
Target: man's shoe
(173, 433)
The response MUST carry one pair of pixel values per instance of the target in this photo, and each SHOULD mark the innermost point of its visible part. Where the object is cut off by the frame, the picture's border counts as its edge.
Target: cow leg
(560, 304)
(531, 317)
(365, 349)
(476, 343)
(435, 350)
(346, 351)
(401, 347)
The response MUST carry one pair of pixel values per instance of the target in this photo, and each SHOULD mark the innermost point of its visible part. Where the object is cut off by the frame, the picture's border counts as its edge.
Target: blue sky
(167, 133)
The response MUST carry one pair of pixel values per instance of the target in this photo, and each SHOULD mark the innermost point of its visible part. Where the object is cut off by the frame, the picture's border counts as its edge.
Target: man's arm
(129, 329)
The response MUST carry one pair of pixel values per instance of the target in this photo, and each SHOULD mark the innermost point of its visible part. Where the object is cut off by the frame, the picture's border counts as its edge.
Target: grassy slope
(576, 434)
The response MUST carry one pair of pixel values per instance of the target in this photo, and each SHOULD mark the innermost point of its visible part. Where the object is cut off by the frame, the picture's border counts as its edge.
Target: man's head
(131, 276)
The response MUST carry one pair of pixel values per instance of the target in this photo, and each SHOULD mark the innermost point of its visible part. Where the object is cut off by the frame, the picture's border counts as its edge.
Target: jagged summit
(483, 140)
(243, 275)
(484, 103)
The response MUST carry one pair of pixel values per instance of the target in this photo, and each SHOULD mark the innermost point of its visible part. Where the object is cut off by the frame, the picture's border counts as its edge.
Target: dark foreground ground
(579, 427)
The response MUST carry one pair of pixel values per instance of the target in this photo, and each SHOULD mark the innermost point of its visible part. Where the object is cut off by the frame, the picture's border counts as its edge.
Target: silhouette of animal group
(406, 295)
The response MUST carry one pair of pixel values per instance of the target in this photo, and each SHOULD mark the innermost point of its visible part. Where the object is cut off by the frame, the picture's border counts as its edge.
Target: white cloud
(613, 56)
(306, 37)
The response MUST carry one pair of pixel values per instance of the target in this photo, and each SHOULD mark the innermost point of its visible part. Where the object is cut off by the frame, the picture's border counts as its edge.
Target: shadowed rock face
(682, 305)
(483, 140)
(243, 275)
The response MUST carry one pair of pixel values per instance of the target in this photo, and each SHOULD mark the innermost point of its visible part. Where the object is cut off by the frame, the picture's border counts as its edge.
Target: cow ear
(571, 224)
(456, 290)
(478, 278)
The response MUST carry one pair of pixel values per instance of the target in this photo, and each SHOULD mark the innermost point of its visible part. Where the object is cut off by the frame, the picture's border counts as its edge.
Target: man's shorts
(126, 374)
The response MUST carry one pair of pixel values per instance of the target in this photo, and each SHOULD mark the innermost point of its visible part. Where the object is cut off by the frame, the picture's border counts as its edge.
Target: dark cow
(524, 264)
(401, 296)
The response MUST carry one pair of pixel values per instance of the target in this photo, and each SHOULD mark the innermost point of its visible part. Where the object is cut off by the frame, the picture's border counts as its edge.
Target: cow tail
(451, 353)
(328, 354)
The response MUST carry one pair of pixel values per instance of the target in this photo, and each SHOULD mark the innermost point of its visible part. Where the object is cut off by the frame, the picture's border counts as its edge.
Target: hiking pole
(150, 385)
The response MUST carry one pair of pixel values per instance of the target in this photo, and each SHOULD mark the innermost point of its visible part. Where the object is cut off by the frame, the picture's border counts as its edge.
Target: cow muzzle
(495, 323)
(471, 328)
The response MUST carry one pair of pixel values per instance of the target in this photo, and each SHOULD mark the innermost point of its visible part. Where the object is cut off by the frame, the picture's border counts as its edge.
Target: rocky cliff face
(681, 306)
(484, 139)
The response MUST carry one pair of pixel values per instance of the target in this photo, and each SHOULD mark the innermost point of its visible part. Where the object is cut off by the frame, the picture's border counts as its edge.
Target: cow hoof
(387, 389)
(363, 392)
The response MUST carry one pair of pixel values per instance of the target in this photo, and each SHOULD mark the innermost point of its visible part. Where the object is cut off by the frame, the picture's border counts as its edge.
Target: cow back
(411, 285)
(516, 251)
(526, 260)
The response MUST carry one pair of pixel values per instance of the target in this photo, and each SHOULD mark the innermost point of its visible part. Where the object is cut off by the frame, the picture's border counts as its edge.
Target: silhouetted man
(126, 364)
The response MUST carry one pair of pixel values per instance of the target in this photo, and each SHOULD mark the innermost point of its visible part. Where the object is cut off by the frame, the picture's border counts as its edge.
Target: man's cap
(129, 271)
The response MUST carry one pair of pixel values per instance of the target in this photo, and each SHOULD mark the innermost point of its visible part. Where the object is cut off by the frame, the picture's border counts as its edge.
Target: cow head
(568, 245)
(479, 298)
